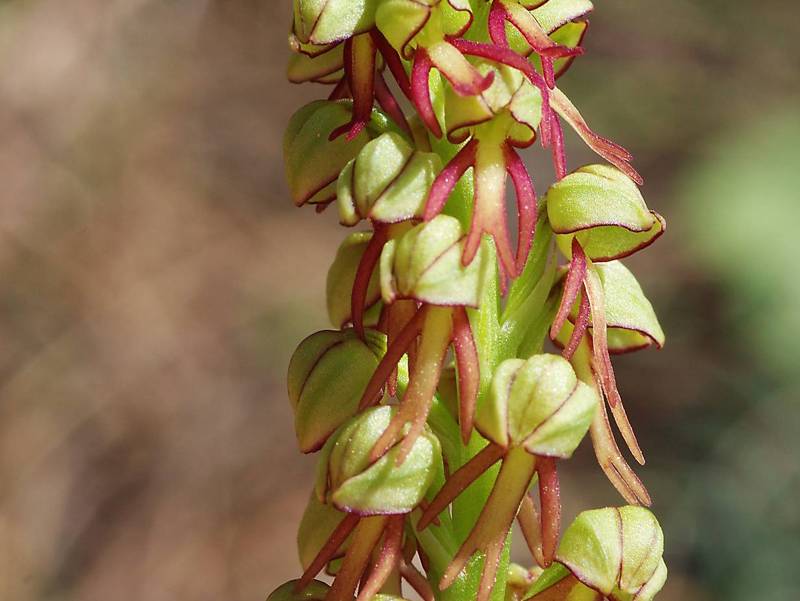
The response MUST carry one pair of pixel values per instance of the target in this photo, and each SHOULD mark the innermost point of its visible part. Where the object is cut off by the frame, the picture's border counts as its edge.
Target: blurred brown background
(154, 280)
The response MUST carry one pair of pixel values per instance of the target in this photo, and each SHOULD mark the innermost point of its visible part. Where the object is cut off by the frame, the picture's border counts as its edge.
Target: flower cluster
(434, 404)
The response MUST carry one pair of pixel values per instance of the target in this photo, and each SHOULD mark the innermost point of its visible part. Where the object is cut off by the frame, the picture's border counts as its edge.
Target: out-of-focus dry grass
(154, 280)
(153, 288)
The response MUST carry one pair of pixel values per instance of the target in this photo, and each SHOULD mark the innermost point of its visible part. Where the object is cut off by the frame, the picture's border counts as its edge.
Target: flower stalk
(438, 417)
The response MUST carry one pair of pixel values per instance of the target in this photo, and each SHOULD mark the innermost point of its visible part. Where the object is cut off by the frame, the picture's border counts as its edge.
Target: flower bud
(312, 161)
(315, 591)
(387, 182)
(539, 404)
(347, 479)
(605, 210)
(339, 285)
(617, 552)
(511, 101)
(425, 264)
(327, 376)
(327, 21)
(317, 525)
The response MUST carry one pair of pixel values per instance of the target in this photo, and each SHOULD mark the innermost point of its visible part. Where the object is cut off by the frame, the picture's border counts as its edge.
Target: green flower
(313, 161)
(328, 373)
(612, 552)
(538, 404)
(349, 480)
(328, 21)
(604, 209)
(425, 265)
(387, 182)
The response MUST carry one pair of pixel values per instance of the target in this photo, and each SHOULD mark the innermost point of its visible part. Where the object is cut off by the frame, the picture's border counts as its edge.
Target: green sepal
(327, 21)
(548, 578)
(510, 95)
(348, 480)
(312, 161)
(616, 552)
(425, 264)
(605, 210)
(317, 524)
(553, 14)
(539, 404)
(327, 376)
(315, 591)
(339, 283)
(404, 22)
(387, 182)
(326, 67)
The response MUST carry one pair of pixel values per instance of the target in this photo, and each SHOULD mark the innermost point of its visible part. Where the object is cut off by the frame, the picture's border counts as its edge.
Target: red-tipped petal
(434, 341)
(581, 324)
(393, 355)
(550, 497)
(417, 581)
(366, 536)
(489, 212)
(389, 103)
(340, 90)
(388, 559)
(467, 364)
(613, 464)
(531, 526)
(462, 75)
(526, 205)
(393, 61)
(602, 362)
(448, 178)
(572, 287)
(329, 549)
(460, 480)
(421, 93)
(358, 297)
(610, 151)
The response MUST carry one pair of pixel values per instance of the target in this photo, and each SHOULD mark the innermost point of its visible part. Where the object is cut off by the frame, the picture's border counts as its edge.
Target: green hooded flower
(350, 481)
(313, 161)
(538, 404)
(328, 373)
(425, 264)
(604, 209)
(327, 21)
(387, 182)
(614, 553)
